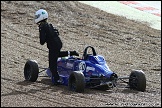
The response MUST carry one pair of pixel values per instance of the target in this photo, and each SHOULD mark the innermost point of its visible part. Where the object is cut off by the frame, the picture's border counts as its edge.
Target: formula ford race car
(89, 71)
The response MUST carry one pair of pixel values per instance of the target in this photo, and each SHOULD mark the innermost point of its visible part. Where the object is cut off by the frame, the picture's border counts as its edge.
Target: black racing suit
(50, 35)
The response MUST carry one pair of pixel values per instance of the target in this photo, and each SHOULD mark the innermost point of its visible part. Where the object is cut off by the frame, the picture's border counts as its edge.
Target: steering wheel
(85, 55)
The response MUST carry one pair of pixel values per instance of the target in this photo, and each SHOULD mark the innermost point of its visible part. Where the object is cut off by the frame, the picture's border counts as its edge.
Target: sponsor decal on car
(69, 65)
(90, 68)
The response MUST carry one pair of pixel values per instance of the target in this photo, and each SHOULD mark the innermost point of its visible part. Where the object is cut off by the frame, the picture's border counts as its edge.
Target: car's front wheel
(137, 80)
(76, 81)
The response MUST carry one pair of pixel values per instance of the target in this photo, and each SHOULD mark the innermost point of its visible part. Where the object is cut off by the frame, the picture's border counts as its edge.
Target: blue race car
(89, 71)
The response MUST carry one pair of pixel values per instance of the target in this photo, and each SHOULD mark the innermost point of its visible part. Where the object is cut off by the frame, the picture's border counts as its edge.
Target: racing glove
(73, 53)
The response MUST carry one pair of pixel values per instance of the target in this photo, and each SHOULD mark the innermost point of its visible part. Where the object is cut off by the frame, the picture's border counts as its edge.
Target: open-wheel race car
(90, 71)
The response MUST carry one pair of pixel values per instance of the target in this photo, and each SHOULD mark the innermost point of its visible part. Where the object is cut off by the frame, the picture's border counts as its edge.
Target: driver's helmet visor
(37, 16)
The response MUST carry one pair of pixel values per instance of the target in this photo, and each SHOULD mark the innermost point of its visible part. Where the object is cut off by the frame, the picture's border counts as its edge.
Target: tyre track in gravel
(20, 42)
(72, 97)
(67, 99)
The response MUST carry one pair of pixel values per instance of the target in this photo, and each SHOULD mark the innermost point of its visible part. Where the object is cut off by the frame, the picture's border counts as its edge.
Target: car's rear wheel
(31, 70)
(137, 80)
(76, 81)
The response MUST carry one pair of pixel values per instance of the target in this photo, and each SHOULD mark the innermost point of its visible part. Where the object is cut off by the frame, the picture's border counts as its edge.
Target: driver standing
(50, 35)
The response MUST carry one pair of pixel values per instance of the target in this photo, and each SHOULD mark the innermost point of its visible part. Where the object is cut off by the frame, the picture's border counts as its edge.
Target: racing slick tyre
(137, 80)
(31, 70)
(76, 81)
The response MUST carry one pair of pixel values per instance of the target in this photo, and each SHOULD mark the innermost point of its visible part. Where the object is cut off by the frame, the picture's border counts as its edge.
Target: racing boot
(55, 81)
(74, 53)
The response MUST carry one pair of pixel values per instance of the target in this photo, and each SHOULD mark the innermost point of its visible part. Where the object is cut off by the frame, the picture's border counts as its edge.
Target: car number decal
(82, 66)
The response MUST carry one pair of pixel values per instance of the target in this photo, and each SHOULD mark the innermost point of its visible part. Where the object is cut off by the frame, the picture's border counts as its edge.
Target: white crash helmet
(40, 15)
